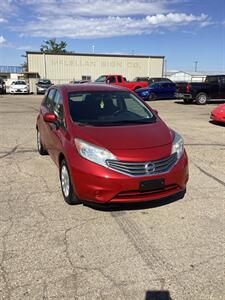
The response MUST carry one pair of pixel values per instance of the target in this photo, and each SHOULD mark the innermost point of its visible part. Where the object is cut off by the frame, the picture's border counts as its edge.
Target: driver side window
(50, 99)
(58, 108)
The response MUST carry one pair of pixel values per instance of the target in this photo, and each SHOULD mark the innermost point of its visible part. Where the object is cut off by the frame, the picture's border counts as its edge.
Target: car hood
(19, 86)
(142, 90)
(126, 137)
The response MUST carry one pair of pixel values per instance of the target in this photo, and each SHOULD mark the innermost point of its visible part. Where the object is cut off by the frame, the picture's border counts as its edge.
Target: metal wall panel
(64, 68)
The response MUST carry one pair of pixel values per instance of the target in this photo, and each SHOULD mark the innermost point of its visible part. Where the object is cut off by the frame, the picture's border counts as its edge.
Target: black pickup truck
(202, 92)
(2, 86)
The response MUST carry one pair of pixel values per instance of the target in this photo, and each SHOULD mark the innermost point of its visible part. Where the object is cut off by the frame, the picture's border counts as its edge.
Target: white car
(19, 86)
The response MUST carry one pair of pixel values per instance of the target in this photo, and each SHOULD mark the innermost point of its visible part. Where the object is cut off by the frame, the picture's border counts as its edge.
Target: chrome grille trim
(139, 168)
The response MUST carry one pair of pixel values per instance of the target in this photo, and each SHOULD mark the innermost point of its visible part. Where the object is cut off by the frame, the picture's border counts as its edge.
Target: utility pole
(196, 65)
(165, 67)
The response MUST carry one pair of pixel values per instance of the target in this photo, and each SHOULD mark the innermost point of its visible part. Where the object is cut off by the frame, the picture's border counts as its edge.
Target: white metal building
(186, 76)
(62, 68)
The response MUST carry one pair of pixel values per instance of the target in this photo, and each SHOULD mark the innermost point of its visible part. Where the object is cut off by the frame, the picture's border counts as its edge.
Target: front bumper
(41, 90)
(217, 117)
(102, 185)
(144, 97)
(183, 96)
(19, 91)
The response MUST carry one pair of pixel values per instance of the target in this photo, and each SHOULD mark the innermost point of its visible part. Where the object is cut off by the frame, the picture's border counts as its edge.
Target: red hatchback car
(218, 114)
(109, 145)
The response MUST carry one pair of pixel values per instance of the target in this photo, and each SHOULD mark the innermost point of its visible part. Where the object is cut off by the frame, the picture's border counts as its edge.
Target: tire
(152, 97)
(41, 149)
(201, 98)
(66, 186)
(188, 101)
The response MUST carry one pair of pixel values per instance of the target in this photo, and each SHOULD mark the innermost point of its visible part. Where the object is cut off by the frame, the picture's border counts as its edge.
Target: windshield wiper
(144, 121)
(118, 123)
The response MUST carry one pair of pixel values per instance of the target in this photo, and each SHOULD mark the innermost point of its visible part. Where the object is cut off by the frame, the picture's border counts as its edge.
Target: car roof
(89, 87)
(161, 82)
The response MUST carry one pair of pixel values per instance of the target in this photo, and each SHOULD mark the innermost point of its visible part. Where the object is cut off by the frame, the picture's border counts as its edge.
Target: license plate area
(152, 185)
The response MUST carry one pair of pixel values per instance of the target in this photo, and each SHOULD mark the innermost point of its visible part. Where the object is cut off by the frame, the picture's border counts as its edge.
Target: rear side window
(111, 79)
(212, 79)
(58, 107)
(49, 99)
(119, 79)
(223, 80)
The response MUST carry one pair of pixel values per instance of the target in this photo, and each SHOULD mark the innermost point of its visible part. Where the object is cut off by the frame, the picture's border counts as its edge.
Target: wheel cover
(202, 98)
(65, 180)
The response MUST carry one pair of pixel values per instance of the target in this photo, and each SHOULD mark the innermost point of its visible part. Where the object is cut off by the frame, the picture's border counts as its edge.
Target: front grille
(143, 168)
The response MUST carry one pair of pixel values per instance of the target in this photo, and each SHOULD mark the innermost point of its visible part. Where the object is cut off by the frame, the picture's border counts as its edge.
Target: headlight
(178, 145)
(93, 153)
(145, 93)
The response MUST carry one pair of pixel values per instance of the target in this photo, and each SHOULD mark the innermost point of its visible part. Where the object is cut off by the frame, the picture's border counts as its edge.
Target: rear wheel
(152, 97)
(201, 98)
(66, 186)
(40, 147)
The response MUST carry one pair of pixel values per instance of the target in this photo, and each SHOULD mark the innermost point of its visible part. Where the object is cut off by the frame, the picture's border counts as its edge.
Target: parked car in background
(159, 79)
(42, 85)
(152, 79)
(79, 81)
(109, 145)
(158, 90)
(218, 114)
(202, 92)
(19, 87)
(121, 81)
(2, 86)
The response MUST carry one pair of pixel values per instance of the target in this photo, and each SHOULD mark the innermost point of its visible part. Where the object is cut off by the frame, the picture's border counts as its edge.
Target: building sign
(102, 64)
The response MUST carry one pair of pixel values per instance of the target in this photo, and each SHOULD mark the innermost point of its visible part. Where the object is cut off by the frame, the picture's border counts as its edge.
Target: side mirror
(50, 118)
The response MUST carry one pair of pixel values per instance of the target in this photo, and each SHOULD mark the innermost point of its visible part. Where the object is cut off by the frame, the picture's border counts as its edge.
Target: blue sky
(183, 30)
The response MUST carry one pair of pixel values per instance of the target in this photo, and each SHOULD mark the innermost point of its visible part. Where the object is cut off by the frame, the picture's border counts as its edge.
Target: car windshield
(44, 82)
(101, 78)
(108, 108)
(19, 82)
(155, 85)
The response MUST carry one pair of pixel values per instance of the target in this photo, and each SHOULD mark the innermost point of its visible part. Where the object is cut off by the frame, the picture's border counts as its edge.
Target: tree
(24, 65)
(51, 46)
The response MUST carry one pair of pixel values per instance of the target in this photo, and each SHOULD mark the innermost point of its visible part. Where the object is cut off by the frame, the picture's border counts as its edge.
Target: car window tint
(111, 79)
(223, 80)
(58, 105)
(107, 106)
(212, 79)
(49, 99)
(120, 79)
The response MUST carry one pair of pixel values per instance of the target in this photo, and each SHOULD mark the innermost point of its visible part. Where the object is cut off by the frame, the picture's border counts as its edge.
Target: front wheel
(201, 98)
(152, 97)
(66, 186)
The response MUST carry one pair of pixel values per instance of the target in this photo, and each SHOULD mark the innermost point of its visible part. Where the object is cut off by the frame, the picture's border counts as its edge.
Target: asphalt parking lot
(50, 250)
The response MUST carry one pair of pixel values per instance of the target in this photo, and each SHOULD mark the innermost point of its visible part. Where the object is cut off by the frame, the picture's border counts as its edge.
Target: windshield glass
(108, 108)
(19, 82)
(44, 81)
(155, 85)
(101, 78)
